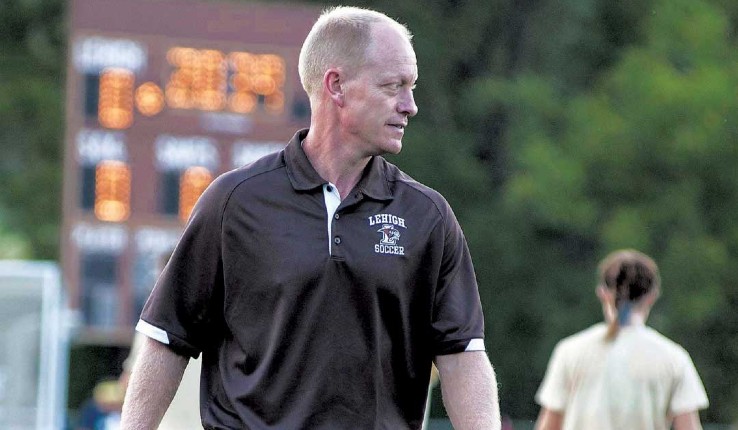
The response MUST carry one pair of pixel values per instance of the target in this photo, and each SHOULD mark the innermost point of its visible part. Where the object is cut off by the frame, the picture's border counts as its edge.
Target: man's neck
(334, 160)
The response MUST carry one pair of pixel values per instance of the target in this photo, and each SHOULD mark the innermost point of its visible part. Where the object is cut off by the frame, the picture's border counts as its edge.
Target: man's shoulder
(232, 179)
(404, 183)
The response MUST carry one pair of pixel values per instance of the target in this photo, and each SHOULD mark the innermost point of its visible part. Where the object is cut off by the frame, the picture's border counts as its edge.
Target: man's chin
(394, 147)
(390, 146)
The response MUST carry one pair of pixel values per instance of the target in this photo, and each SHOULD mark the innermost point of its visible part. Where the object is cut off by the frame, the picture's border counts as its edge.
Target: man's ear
(333, 82)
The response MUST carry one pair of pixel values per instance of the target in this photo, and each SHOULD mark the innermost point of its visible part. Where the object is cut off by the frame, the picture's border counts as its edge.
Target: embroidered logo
(388, 243)
(390, 235)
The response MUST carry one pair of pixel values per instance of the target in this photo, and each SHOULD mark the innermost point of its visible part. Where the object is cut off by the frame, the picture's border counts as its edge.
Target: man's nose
(407, 104)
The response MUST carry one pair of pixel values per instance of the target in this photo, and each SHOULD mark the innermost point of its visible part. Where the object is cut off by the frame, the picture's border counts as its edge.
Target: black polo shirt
(295, 336)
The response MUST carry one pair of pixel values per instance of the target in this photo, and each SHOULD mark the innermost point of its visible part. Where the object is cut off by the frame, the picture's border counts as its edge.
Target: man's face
(379, 96)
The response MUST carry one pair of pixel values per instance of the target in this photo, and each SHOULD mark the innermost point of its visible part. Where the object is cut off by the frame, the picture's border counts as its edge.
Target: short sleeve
(184, 304)
(553, 393)
(689, 394)
(458, 321)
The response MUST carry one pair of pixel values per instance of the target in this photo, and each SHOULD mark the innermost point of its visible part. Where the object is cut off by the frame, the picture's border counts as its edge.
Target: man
(321, 282)
(623, 374)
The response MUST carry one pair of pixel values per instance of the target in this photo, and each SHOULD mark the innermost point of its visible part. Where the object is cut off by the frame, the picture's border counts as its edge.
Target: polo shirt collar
(302, 175)
(373, 182)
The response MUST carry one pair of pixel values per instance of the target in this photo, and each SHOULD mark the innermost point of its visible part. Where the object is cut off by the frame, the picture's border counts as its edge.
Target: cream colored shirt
(639, 381)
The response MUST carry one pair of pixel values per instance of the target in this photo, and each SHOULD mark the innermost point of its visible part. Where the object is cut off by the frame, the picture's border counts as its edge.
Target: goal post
(34, 346)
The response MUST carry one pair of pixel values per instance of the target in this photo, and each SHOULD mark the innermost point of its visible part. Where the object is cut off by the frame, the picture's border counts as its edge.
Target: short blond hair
(339, 38)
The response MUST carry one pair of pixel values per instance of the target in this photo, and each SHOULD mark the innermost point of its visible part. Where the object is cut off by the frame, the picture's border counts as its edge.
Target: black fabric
(293, 337)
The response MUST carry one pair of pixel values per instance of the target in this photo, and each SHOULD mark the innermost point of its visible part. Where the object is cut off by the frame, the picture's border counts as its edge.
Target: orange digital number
(115, 107)
(112, 191)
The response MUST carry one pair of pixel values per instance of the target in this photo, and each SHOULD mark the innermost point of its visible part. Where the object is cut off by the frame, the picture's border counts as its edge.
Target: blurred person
(507, 423)
(103, 410)
(621, 374)
(320, 283)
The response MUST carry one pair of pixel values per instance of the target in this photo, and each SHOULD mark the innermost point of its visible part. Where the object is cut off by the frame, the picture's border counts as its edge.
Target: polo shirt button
(337, 240)
(336, 216)
(329, 188)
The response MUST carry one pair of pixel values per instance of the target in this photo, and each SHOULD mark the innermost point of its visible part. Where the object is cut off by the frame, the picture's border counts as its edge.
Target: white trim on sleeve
(153, 332)
(475, 345)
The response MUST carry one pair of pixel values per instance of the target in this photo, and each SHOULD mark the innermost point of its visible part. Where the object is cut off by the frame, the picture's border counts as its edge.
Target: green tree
(31, 123)
(644, 158)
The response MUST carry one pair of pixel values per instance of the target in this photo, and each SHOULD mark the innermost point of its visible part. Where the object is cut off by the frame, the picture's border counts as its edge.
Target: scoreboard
(161, 97)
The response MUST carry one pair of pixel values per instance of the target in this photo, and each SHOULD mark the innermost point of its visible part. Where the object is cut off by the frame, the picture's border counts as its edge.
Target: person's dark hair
(628, 275)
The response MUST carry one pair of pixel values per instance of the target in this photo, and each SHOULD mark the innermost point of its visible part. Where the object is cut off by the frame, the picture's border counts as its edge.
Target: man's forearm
(469, 390)
(154, 381)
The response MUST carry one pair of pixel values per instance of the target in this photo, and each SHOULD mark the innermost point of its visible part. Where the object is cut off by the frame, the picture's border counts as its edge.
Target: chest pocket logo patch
(390, 234)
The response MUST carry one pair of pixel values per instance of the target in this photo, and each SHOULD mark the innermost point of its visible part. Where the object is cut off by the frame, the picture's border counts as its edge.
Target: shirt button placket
(336, 235)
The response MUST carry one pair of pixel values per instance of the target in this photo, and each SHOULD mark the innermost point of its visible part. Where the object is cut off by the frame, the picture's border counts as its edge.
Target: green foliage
(14, 246)
(641, 159)
(31, 124)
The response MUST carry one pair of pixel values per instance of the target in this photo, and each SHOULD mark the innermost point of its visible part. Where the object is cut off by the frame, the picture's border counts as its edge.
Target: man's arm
(469, 389)
(549, 420)
(154, 381)
(687, 421)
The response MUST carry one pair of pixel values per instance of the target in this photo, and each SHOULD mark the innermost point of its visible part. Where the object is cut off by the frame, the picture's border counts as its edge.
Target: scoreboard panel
(161, 97)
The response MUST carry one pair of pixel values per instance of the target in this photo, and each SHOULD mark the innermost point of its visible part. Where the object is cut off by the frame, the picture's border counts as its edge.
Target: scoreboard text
(162, 96)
